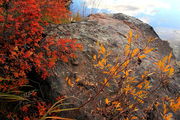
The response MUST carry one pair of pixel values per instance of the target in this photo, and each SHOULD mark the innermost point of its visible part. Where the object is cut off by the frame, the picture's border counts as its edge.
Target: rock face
(176, 48)
(111, 30)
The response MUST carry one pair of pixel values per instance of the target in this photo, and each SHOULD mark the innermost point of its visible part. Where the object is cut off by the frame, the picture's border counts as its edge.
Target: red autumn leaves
(22, 46)
(21, 35)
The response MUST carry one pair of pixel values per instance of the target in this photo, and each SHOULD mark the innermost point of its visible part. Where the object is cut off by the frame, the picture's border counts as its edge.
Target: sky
(163, 15)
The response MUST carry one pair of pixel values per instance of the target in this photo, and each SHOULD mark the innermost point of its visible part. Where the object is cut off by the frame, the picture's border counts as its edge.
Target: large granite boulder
(110, 30)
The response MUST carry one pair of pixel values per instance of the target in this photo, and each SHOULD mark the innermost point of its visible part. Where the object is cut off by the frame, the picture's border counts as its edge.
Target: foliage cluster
(133, 85)
(131, 93)
(23, 48)
(126, 90)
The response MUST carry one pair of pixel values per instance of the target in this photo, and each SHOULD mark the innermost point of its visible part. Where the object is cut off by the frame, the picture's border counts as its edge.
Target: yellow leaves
(131, 106)
(142, 56)
(102, 50)
(94, 57)
(69, 82)
(129, 89)
(101, 63)
(147, 84)
(164, 65)
(144, 85)
(77, 79)
(107, 101)
(175, 105)
(105, 82)
(164, 108)
(147, 50)
(134, 118)
(126, 63)
(128, 80)
(136, 36)
(168, 116)
(117, 105)
(169, 57)
(134, 52)
(127, 50)
(139, 100)
(119, 109)
(171, 71)
(140, 86)
(126, 73)
(160, 65)
(113, 68)
(130, 36)
(131, 80)
(141, 93)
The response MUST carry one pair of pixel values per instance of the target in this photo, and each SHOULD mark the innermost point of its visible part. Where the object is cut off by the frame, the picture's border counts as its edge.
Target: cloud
(168, 34)
(130, 7)
(145, 19)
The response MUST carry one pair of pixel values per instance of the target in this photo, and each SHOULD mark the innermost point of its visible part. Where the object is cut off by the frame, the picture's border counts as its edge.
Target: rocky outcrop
(176, 48)
(111, 30)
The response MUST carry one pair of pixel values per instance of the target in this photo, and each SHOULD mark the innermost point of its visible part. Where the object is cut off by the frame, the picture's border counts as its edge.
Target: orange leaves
(125, 64)
(148, 50)
(117, 105)
(134, 118)
(102, 50)
(130, 36)
(171, 71)
(134, 52)
(105, 82)
(126, 83)
(168, 116)
(94, 57)
(127, 49)
(169, 57)
(107, 101)
(175, 104)
(69, 82)
(164, 65)
(142, 56)
(101, 62)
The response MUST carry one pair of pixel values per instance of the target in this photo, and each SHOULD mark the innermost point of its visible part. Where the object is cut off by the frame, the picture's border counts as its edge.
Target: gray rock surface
(111, 30)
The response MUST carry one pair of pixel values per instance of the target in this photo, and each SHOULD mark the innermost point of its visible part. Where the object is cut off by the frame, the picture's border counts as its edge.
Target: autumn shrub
(133, 85)
(23, 47)
(132, 91)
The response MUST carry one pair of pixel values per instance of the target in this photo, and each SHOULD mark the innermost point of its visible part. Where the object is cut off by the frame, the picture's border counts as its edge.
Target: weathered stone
(111, 30)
